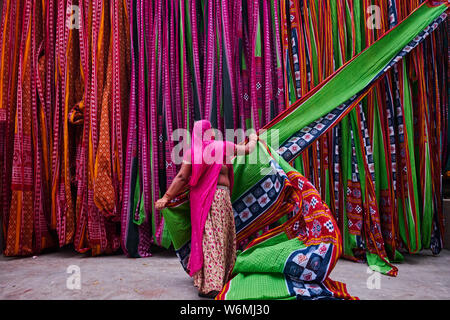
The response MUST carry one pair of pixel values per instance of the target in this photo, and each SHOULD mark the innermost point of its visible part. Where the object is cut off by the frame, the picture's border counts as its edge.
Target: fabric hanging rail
(91, 92)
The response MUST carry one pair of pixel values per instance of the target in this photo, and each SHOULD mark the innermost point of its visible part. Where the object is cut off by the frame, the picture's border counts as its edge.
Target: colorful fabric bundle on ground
(310, 232)
(264, 192)
(292, 260)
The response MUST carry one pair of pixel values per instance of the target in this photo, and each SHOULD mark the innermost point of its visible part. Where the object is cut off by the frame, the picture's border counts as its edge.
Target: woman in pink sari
(208, 172)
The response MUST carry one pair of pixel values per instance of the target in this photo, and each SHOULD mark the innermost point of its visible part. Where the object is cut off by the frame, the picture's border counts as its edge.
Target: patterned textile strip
(184, 66)
(444, 72)
(73, 131)
(297, 62)
(227, 69)
(143, 122)
(68, 93)
(100, 39)
(199, 108)
(422, 140)
(48, 100)
(278, 59)
(384, 161)
(318, 62)
(268, 91)
(174, 67)
(168, 94)
(307, 45)
(290, 94)
(340, 133)
(20, 226)
(353, 215)
(255, 62)
(337, 178)
(11, 33)
(81, 235)
(121, 70)
(156, 121)
(244, 78)
(56, 146)
(320, 19)
(218, 113)
(104, 193)
(373, 237)
(408, 206)
(436, 127)
(209, 70)
(129, 232)
(42, 116)
(3, 112)
(41, 236)
(50, 63)
(167, 116)
(147, 157)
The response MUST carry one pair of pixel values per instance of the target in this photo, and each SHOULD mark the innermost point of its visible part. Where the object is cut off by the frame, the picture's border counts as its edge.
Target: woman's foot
(210, 295)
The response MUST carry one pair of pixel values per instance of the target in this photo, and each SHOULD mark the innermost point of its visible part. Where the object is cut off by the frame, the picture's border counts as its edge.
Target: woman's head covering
(199, 142)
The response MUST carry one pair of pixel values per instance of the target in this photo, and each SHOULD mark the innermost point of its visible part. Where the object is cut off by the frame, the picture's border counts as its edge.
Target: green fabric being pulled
(260, 270)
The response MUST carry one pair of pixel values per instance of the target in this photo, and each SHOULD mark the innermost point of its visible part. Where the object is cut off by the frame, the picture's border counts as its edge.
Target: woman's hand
(262, 135)
(252, 136)
(161, 203)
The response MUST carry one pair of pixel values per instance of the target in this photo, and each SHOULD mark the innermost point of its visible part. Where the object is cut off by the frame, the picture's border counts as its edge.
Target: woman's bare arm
(180, 181)
(241, 150)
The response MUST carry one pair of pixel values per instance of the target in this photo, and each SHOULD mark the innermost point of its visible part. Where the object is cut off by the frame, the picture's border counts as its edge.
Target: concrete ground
(162, 277)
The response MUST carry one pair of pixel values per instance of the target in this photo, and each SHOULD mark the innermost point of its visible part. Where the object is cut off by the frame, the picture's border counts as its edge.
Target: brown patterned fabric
(19, 239)
(103, 188)
(219, 245)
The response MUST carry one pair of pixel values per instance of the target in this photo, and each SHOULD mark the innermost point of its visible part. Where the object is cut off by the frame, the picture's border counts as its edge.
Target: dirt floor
(162, 277)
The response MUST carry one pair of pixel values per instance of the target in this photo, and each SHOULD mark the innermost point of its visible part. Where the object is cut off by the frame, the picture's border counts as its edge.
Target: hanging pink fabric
(203, 183)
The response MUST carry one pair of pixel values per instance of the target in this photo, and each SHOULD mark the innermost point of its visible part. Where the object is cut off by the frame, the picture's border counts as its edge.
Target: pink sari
(207, 158)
